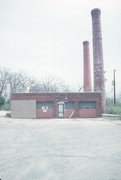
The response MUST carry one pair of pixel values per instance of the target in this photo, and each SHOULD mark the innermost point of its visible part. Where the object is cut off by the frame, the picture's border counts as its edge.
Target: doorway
(60, 110)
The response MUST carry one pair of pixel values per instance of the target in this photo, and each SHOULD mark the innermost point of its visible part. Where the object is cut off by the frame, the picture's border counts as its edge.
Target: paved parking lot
(78, 149)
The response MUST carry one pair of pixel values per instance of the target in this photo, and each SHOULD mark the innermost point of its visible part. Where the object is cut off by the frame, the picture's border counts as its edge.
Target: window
(87, 105)
(44, 105)
(69, 105)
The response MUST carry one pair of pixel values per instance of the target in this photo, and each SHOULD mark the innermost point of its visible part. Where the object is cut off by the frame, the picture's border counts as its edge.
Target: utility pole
(114, 84)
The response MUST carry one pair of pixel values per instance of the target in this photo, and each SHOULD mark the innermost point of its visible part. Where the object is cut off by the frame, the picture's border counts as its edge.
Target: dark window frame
(91, 104)
(69, 106)
(46, 104)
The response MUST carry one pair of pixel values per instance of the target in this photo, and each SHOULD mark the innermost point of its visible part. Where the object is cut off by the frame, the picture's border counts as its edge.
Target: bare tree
(14, 82)
(3, 80)
(36, 88)
(19, 82)
(50, 84)
(77, 88)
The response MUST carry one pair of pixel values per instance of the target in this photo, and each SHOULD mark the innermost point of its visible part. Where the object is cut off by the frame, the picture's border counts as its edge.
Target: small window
(69, 105)
(87, 105)
(43, 105)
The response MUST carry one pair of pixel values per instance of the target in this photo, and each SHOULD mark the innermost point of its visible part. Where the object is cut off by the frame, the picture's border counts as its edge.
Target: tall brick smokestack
(86, 67)
(99, 84)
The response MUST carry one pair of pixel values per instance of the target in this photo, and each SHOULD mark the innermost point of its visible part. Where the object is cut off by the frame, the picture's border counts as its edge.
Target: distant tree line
(20, 82)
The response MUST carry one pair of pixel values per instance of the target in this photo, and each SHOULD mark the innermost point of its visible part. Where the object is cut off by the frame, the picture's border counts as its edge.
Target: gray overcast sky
(44, 37)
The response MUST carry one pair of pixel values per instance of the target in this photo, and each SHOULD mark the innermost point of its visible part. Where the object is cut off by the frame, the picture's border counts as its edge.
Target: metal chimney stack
(86, 68)
(99, 84)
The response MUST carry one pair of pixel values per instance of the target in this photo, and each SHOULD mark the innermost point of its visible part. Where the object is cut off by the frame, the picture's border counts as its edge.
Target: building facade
(56, 105)
(70, 105)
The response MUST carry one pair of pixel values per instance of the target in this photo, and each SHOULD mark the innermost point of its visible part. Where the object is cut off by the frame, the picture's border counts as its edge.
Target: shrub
(6, 106)
(114, 110)
(2, 101)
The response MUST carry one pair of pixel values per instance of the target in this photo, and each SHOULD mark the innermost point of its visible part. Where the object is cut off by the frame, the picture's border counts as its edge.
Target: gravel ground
(77, 149)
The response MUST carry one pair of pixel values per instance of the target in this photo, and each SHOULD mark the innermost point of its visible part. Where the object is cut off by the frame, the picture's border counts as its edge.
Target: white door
(61, 110)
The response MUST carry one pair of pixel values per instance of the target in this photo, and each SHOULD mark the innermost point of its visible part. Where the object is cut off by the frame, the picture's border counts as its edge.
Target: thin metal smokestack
(86, 67)
(99, 84)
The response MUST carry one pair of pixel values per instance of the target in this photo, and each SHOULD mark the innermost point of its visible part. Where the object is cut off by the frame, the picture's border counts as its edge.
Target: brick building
(70, 105)
(56, 105)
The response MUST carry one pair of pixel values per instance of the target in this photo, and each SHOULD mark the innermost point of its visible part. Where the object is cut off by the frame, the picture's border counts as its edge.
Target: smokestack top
(86, 42)
(96, 12)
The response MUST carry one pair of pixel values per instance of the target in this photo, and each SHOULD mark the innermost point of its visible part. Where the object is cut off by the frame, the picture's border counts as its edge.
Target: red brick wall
(87, 113)
(56, 97)
(41, 114)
